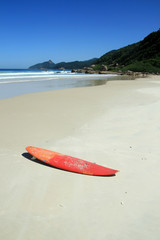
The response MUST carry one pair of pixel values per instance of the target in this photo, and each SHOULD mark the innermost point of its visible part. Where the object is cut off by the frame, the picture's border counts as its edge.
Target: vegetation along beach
(81, 79)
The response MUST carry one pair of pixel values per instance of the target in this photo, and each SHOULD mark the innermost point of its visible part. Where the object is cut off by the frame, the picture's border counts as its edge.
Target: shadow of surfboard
(35, 160)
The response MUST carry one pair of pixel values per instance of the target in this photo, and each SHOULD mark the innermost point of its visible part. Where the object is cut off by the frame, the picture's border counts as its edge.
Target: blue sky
(36, 31)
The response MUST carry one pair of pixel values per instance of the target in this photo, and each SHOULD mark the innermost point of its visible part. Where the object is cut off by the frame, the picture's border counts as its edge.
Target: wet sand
(116, 125)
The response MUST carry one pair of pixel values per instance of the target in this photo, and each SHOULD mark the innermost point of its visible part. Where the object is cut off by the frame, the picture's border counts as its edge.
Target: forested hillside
(143, 56)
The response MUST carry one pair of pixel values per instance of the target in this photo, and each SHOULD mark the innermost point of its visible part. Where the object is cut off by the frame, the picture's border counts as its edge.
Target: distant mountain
(47, 65)
(67, 65)
(76, 64)
(143, 56)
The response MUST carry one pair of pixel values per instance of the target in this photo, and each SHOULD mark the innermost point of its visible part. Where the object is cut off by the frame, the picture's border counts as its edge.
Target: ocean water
(15, 82)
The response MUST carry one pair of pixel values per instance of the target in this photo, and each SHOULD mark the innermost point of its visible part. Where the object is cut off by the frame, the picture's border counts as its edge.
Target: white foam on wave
(15, 74)
(35, 76)
(23, 73)
(13, 77)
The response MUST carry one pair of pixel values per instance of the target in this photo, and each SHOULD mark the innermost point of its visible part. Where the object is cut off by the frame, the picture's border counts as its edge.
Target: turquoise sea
(15, 82)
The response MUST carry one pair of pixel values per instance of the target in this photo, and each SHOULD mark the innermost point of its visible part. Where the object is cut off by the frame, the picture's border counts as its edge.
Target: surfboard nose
(40, 153)
(28, 148)
(33, 151)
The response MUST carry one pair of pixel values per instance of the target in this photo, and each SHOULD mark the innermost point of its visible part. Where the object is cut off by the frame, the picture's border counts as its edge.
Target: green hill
(67, 65)
(75, 64)
(143, 56)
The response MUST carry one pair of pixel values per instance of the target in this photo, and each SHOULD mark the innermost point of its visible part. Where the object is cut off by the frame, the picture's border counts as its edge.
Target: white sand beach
(116, 125)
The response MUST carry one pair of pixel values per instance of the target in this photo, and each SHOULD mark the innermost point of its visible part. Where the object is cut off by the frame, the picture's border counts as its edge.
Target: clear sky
(35, 31)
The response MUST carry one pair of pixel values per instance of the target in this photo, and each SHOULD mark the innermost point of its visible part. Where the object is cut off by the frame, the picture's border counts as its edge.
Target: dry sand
(116, 125)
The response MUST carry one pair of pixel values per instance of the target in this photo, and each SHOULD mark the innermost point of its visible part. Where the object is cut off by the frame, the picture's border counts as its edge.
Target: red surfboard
(68, 163)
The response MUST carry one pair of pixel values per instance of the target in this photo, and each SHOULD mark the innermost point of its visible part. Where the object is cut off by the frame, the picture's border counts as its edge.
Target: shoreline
(115, 125)
(20, 86)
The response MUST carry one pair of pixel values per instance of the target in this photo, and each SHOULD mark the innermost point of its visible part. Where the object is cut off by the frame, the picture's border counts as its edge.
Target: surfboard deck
(69, 163)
